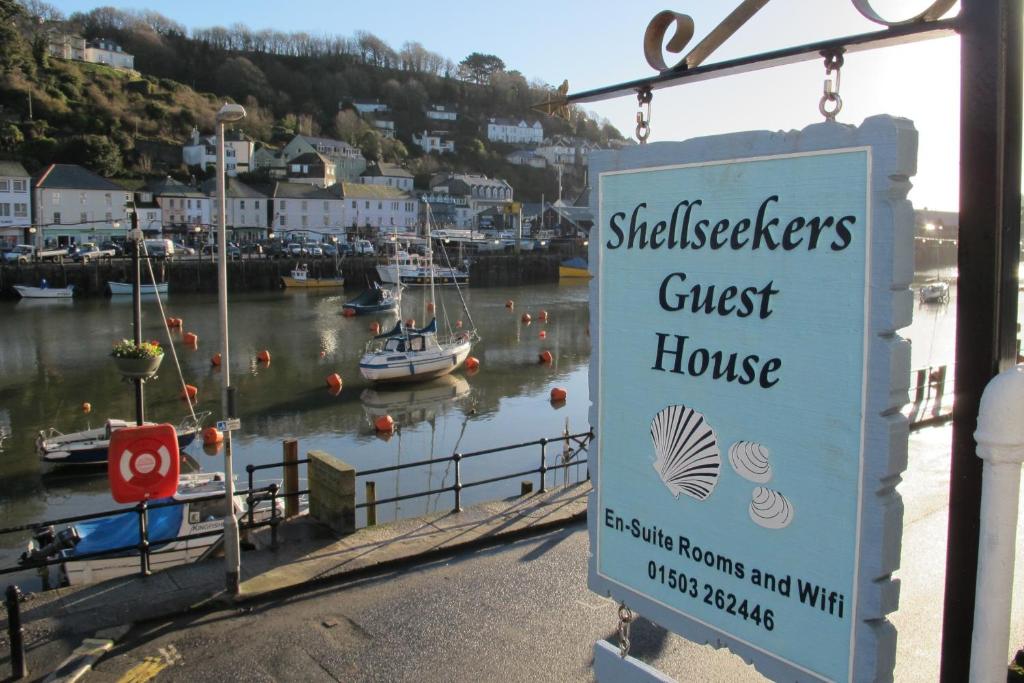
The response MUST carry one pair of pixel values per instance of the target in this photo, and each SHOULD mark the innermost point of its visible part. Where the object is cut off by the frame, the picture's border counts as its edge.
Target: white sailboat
(410, 354)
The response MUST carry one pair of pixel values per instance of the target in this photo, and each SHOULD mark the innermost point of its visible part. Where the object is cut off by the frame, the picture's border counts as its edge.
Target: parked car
(88, 251)
(330, 250)
(116, 247)
(364, 248)
(315, 250)
(22, 253)
(297, 249)
(252, 248)
(212, 250)
(344, 249)
(182, 249)
(159, 248)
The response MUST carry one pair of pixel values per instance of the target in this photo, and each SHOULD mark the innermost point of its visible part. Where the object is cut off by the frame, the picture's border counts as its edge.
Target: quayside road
(519, 612)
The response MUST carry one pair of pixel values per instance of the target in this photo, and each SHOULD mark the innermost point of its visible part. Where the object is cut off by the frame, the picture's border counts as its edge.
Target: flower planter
(138, 367)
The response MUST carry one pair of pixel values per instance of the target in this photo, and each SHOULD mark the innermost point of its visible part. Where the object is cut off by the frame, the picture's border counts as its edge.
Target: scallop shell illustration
(686, 452)
(770, 509)
(750, 460)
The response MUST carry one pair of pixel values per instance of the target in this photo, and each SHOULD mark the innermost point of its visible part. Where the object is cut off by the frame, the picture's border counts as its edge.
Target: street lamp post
(229, 113)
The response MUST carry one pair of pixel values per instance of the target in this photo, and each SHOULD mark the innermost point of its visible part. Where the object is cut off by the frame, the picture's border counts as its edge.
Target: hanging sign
(143, 463)
(746, 384)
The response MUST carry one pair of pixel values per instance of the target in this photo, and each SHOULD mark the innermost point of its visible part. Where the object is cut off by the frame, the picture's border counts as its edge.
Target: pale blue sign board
(746, 380)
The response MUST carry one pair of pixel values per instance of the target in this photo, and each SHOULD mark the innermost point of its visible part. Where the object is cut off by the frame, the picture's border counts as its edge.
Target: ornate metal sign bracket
(925, 25)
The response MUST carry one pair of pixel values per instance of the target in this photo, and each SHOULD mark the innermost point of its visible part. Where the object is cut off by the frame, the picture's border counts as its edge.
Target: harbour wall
(259, 274)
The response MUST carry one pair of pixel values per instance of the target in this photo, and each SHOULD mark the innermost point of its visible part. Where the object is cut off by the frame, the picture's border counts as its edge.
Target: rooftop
(361, 191)
(169, 187)
(73, 177)
(386, 170)
(285, 190)
(12, 169)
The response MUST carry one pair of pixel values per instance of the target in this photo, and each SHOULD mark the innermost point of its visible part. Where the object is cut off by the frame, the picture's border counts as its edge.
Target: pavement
(308, 555)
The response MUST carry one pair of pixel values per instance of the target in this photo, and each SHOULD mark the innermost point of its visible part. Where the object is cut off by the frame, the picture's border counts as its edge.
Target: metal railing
(575, 444)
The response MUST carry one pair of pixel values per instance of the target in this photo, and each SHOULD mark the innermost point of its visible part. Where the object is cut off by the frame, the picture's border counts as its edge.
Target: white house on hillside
(515, 132)
(202, 151)
(441, 112)
(15, 203)
(110, 53)
(378, 206)
(435, 141)
(299, 209)
(245, 209)
(183, 209)
(348, 161)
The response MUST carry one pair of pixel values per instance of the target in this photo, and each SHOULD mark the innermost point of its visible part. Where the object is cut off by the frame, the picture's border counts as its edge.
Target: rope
(167, 330)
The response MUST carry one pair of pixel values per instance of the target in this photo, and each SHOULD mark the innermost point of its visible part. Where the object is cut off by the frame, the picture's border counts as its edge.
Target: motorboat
(44, 292)
(89, 446)
(376, 299)
(201, 511)
(414, 269)
(934, 293)
(300, 278)
(125, 288)
(574, 268)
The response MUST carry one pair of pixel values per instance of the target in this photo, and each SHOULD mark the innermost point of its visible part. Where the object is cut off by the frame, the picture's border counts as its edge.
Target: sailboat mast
(430, 261)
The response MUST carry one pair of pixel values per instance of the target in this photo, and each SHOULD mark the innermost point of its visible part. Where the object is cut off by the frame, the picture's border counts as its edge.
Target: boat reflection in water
(415, 403)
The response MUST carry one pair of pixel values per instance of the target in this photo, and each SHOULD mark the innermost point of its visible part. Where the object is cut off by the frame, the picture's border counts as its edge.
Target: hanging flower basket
(142, 360)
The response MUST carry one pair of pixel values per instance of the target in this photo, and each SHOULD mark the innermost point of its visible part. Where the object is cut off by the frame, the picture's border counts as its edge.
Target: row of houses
(68, 204)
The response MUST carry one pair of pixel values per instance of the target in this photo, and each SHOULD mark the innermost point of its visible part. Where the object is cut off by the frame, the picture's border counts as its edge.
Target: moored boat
(44, 292)
(89, 446)
(376, 299)
(413, 269)
(934, 293)
(201, 512)
(574, 268)
(125, 288)
(300, 278)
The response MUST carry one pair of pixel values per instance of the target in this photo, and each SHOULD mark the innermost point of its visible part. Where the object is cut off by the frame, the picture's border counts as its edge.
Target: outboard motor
(47, 544)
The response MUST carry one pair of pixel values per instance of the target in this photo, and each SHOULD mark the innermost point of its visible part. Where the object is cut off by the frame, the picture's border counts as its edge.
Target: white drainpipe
(1000, 438)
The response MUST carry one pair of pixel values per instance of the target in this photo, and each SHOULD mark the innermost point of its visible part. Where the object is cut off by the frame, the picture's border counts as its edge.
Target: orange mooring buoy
(171, 322)
(212, 435)
(215, 360)
(558, 394)
(86, 407)
(411, 322)
(472, 363)
(263, 356)
(542, 316)
(384, 424)
(334, 381)
(189, 392)
(348, 312)
(375, 327)
(545, 357)
(526, 318)
(178, 322)
(510, 304)
(430, 307)
(191, 338)
(323, 354)
(542, 335)
(458, 324)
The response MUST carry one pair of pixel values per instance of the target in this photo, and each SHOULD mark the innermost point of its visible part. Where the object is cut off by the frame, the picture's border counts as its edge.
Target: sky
(592, 43)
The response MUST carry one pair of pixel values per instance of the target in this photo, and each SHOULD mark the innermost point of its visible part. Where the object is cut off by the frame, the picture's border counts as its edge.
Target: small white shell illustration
(686, 452)
(750, 460)
(770, 509)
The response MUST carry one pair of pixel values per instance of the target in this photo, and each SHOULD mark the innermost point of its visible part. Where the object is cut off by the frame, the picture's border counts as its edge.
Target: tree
(10, 137)
(95, 152)
(479, 67)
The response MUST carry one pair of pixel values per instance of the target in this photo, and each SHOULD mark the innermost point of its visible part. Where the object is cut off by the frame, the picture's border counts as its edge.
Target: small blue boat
(377, 299)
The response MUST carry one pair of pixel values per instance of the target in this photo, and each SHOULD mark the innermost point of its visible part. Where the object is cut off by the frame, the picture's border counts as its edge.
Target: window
(5, 185)
(109, 217)
(81, 198)
(190, 203)
(283, 219)
(241, 203)
(107, 198)
(354, 204)
(257, 204)
(380, 206)
(367, 205)
(283, 202)
(55, 198)
(5, 210)
(21, 210)
(56, 217)
(20, 185)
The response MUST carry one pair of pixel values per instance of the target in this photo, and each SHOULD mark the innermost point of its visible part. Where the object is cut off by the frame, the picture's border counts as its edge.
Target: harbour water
(55, 357)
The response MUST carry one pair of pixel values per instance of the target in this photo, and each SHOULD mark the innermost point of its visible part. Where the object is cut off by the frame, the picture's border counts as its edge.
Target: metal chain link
(643, 117)
(626, 618)
(831, 103)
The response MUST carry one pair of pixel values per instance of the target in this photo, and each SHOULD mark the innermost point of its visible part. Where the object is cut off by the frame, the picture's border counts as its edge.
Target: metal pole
(543, 465)
(143, 510)
(15, 633)
(140, 411)
(291, 477)
(457, 487)
(1000, 439)
(231, 544)
(987, 258)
